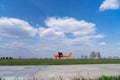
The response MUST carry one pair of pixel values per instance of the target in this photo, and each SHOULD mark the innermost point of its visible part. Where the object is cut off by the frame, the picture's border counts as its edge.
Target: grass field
(57, 61)
(100, 78)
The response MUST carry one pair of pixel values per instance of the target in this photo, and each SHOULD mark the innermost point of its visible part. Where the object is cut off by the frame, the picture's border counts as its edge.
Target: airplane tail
(55, 55)
(70, 54)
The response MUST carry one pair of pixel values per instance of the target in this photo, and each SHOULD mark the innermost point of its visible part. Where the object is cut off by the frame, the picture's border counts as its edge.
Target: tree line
(6, 58)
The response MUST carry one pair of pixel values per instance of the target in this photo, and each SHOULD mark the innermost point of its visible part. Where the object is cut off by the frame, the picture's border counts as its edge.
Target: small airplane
(60, 55)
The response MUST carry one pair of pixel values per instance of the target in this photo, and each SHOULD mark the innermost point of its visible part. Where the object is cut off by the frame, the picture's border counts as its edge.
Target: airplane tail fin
(70, 54)
(55, 55)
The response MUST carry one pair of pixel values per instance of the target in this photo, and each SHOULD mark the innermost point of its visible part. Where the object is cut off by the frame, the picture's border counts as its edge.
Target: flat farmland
(57, 61)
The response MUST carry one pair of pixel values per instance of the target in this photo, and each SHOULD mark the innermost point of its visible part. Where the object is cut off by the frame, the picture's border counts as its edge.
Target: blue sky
(40, 28)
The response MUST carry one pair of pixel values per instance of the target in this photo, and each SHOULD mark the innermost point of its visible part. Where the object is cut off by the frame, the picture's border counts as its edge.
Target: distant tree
(93, 55)
(115, 57)
(6, 58)
(10, 57)
(110, 57)
(46, 58)
(82, 57)
(20, 57)
(98, 55)
(1, 79)
(104, 58)
(3, 57)
(86, 57)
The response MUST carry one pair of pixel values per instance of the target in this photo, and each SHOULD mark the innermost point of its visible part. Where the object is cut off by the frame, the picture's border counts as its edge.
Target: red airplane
(60, 55)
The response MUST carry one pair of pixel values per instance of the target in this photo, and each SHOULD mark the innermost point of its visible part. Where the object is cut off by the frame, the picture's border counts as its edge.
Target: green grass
(109, 78)
(100, 78)
(57, 61)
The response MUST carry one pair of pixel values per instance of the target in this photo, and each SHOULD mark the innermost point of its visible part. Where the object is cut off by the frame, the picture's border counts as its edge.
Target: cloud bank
(59, 33)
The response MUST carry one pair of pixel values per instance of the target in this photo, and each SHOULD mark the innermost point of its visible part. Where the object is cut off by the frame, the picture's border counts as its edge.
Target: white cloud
(97, 36)
(82, 41)
(83, 32)
(50, 33)
(102, 44)
(68, 24)
(13, 27)
(87, 40)
(13, 45)
(110, 4)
